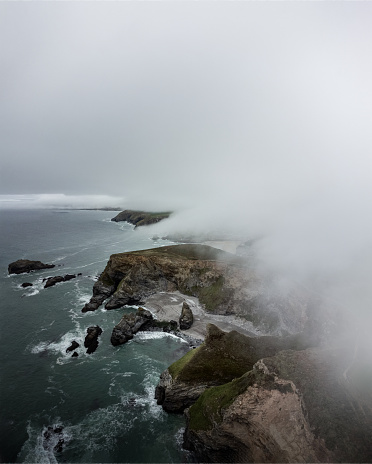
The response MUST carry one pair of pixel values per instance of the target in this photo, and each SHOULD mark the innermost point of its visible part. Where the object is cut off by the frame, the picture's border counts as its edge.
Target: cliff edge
(295, 406)
(224, 283)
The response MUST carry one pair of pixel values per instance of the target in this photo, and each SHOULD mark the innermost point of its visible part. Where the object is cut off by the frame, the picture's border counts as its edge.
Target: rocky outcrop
(25, 265)
(91, 339)
(140, 218)
(186, 318)
(292, 407)
(73, 346)
(102, 289)
(223, 283)
(142, 321)
(223, 356)
(56, 279)
(129, 325)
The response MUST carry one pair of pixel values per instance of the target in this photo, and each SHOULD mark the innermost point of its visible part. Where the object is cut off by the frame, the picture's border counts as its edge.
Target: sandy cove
(166, 306)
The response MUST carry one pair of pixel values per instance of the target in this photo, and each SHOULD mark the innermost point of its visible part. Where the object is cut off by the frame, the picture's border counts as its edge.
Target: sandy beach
(166, 306)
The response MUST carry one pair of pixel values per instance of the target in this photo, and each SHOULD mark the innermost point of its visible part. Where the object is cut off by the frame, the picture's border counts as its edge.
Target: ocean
(100, 407)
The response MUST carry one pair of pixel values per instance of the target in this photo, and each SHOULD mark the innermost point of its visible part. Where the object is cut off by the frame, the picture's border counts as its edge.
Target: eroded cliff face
(224, 284)
(223, 357)
(292, 407)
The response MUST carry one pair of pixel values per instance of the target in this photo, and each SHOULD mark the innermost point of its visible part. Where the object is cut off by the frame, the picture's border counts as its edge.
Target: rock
(26, 284)
(292, 407)
(186, 318)
(223, 357)
(53, 280)
(222, 282)
(73, 346)
(91, 340)
(75, 354)
(56, 279)
(53, 439)
(102, 289)
(129, 325)
(25, 265)
(140, 218)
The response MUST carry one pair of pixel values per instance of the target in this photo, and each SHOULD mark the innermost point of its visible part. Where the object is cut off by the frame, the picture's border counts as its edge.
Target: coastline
(166, 306)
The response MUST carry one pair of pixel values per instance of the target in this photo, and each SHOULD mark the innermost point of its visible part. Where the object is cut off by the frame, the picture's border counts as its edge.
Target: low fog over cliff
(250, 118)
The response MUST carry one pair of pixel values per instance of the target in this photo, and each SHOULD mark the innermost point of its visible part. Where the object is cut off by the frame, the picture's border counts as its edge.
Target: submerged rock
(91, 340)
(26, 284)
(53, 439)
(186, 318)
(25, 265)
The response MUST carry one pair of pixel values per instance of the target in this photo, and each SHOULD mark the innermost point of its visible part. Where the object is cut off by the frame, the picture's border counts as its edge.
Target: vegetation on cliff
(293, 406)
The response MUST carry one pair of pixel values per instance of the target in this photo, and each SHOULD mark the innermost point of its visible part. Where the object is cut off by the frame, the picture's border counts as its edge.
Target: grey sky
(183, 100)
(252, 114)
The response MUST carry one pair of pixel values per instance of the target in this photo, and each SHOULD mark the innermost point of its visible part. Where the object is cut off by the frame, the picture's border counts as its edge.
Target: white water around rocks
(102, 405)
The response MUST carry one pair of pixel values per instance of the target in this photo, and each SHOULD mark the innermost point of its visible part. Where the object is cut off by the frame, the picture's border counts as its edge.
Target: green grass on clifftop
(191, 251)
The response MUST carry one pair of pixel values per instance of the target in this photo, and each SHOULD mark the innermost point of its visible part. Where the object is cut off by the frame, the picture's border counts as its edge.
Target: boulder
(91, 340)
(73, 346)
(56, 279)
(75, 354)
(26, 284)
(53, 280)
(186, 318)
(25, 265)
(129, 325)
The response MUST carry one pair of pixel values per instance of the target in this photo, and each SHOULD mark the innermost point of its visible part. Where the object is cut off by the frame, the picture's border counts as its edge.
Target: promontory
(140, 218)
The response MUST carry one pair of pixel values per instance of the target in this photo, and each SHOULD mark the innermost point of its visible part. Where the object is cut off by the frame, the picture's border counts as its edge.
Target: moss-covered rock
(295, 406)
(224, 356)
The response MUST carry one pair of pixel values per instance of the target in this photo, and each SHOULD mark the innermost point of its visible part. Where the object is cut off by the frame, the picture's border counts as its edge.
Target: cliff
(223, 357)
(224, 283)
(295, 406)
(140, 218)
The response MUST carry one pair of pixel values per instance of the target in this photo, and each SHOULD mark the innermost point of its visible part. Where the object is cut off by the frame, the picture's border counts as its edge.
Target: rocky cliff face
(224, 283)
(295, 406)
(223, 357)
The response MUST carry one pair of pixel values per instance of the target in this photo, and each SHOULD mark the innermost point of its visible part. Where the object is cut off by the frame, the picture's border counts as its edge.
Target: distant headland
(140, 218)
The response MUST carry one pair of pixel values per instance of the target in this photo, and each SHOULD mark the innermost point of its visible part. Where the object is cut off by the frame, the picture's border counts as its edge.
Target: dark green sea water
(103, 401)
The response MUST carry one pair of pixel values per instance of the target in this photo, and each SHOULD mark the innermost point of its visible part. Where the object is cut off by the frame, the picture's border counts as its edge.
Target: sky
(254, 116)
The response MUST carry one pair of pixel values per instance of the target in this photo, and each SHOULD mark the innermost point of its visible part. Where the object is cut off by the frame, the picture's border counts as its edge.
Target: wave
(154, 336)
(59, 347)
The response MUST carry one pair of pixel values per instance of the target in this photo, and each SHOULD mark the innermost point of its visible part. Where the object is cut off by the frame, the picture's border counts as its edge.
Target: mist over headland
(248, 117)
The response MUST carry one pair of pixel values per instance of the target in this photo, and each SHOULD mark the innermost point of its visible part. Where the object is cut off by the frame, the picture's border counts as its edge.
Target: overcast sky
(256, 114)
(180, 101)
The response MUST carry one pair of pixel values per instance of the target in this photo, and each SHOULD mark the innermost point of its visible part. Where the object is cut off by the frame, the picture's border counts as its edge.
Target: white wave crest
(59, 347)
